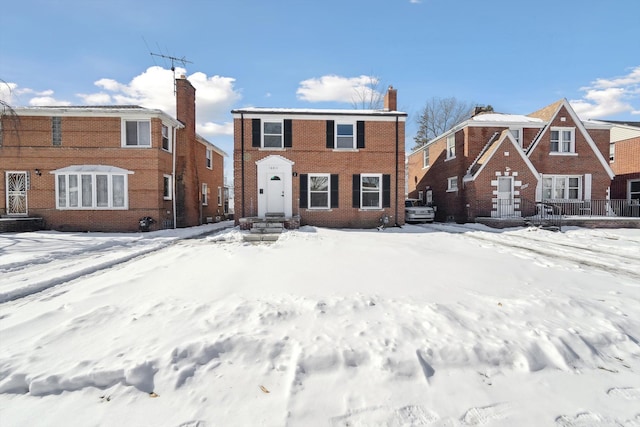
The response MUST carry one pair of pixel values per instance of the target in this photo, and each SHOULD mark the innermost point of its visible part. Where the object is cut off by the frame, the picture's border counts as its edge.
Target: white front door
(275, 193)
(16, 193)
(505, 196)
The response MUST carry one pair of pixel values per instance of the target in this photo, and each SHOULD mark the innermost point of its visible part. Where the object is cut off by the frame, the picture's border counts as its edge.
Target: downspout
(242, 160)
(397, 154)
(173, 176)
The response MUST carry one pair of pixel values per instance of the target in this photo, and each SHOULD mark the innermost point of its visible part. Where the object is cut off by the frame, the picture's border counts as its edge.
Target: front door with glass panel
(275, 193)
(16, 193)
(505, 196)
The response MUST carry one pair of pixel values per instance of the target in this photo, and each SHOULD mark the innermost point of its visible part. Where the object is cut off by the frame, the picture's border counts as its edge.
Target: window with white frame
(425, 157)
(561, 187)
(517, 135)
(451, 146)
(166, 138)
(272, 134)
(562, 140)
(345, 135)
(370, 191)
(452, 183)
(91, 190)
(167, 187)
(612, 152)
(219, 196)
(209, 161)
(205, 194)
(319, 191)
(137, 133)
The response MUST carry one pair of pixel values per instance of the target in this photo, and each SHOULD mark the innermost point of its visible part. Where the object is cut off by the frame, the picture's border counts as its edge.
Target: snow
(435, 325)
(499, 117)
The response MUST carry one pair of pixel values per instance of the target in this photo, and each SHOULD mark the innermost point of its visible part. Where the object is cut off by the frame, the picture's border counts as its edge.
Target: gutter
(397, 154)
(242, 161)
(173, 177)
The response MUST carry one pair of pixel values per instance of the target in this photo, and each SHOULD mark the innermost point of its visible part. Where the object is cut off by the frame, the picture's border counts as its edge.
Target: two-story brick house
(333, 168)
(624, 158)
(501, 165)
(102, 168)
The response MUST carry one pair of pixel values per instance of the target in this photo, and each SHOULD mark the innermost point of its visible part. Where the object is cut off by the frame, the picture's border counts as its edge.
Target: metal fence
(522, 208)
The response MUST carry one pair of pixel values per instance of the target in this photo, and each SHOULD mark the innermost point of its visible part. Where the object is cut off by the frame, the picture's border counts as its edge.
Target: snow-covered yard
(437, 325)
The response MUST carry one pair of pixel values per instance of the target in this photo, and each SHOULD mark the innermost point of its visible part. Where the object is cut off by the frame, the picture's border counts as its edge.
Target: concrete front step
(266, 230)
(261, 237)
(268, 224)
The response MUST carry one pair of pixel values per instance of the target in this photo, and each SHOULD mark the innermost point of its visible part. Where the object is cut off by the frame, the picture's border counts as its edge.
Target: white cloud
(154, 88)
(7, 92)
(11, 93)
(96, 98)
(210, 128)
(334, 88)
(608, 97)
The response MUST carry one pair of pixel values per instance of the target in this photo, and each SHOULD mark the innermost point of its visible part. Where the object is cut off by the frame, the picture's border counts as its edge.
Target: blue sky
(517, 56)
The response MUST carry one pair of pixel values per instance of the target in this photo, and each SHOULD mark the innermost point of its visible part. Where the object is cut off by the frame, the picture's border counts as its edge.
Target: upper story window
(612, 152)
(517, 135)
(137, 133)
(80, 187)
(451, 146)
(562, 140)
(166, 139)
(343, 135)
(272, 134)
(425, 157)
(209, 161)
(56, 130)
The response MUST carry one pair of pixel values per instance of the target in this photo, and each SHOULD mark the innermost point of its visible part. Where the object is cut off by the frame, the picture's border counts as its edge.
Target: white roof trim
(93, 168)
(275, 157)
(126, 113)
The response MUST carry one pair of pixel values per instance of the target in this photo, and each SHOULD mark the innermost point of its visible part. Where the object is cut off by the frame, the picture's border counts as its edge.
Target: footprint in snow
(586, 419)
(486, 414)
(629, 393)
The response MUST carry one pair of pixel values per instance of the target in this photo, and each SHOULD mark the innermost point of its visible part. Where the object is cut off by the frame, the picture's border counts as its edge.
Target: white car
(414, 211)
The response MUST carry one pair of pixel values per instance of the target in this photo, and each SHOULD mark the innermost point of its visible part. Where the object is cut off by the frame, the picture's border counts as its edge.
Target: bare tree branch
(368, 96)
(438, 116)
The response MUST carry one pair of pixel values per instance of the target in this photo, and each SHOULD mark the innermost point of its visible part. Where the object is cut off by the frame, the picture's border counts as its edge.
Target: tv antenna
(173, 60)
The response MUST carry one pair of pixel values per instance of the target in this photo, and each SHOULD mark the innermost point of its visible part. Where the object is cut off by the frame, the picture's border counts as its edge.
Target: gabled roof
(548, 112)
(505, 138)
(551, 111)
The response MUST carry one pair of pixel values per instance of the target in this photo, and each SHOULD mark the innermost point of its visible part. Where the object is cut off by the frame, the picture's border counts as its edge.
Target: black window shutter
(334, 190)
(303, 190)
(360, 131)
(288, 139)
(386, 191)
(330, 134)
(356, 191)
(255, 132)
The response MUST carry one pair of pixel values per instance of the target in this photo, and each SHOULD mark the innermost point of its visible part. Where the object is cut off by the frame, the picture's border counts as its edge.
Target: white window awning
(93, 169)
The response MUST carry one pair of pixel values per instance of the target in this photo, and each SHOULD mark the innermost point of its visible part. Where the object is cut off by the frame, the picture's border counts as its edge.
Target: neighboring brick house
(331, 168)
(624, 158)
(501, 165)
(102, 168)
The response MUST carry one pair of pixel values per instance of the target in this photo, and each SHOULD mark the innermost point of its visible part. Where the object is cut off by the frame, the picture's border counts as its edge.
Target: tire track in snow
(558, 253)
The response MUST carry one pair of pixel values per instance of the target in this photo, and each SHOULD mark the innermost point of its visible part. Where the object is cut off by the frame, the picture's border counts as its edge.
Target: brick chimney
(186, 105)
(391, 99)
